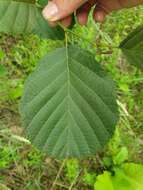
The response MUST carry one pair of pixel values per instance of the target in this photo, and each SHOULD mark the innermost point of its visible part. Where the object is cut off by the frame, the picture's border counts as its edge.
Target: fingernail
(50, 11)
(99, 16)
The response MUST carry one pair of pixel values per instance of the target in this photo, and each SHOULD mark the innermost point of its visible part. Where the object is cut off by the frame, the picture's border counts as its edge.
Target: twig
(58, 175)
(74, 181)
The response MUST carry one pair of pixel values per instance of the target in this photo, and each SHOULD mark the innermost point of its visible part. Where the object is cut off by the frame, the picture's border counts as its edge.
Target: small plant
(34, 159)
(69, 106)
(89, 179)
(72, 169)
(7, 156)
(128, 176)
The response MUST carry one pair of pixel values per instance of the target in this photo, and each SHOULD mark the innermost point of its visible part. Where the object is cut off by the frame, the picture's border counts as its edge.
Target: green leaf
(129, 177)
(3, 71)
(2, 54)
(134, 174)
(89, 178)
(69, 105)
(104, 182)
(24, 18)
(121, 156)
(72, 169)
(132, 47)
(25, 1)
(42, 3)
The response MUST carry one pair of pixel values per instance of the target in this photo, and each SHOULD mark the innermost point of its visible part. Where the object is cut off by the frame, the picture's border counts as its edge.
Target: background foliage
(23, 167)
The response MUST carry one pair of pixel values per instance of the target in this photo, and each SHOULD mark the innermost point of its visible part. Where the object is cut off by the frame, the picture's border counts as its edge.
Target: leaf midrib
(68, 92)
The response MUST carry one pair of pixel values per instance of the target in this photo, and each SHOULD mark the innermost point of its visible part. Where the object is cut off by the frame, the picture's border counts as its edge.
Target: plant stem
(58, 175)
(78, 36)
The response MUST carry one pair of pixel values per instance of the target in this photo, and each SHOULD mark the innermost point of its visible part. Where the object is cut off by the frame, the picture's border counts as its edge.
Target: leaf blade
(68, 113)
(21, 17)
(132, 47)
(128, 176)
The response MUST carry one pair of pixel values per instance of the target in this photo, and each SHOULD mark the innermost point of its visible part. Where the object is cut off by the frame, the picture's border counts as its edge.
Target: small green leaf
(42, 3)
(3, 70)
(89, 178)
(2, 54)
(104, 182)
(135, 175)
(69, 105)
(24, 18)
(132, 47)
(15, 93)
(129, 177)
(72, 169)
(107, 161)
(121, 156)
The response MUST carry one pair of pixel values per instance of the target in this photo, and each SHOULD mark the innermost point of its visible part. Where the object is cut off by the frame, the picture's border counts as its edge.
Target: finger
(100, 13)
(129, 4)
(52, 24)
(83, 12)
(59, 9)
(66, 22)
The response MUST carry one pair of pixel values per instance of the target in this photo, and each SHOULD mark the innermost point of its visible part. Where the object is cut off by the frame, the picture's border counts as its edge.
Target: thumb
(59, 9)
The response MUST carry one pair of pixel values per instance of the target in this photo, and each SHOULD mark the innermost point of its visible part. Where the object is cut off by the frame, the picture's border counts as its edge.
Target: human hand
(61, 10)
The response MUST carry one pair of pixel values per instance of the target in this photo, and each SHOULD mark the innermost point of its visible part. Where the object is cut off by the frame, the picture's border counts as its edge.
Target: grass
(22, 167)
